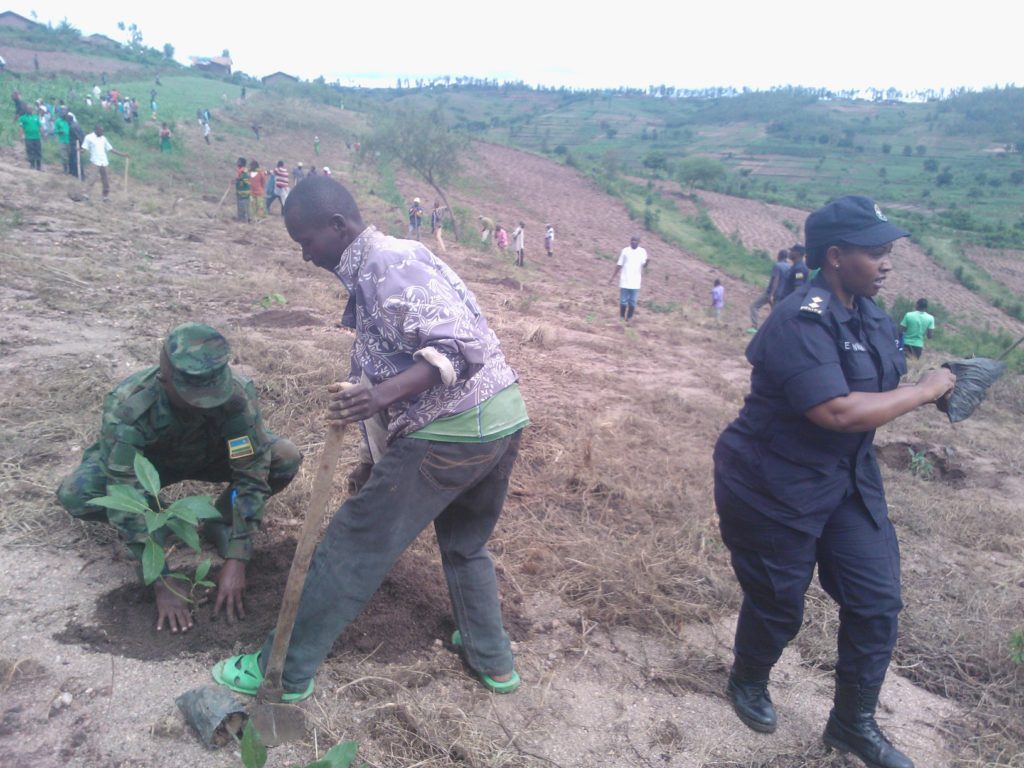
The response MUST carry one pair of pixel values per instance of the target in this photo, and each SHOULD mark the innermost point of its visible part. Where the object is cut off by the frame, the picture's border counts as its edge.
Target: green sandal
(495, 686)
(242, 675)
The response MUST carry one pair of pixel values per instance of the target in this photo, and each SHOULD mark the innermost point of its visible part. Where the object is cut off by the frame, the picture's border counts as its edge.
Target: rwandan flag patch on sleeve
(240, 447)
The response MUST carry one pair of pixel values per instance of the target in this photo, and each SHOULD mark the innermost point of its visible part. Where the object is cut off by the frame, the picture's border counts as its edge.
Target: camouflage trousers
(90, 480)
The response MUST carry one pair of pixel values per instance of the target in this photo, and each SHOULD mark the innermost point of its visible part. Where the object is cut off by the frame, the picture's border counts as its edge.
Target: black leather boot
(852, 728)
(748, 692)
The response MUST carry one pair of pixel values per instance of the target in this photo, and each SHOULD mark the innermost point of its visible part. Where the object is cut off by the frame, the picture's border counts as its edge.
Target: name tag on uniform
(240, 447)
(852, 346)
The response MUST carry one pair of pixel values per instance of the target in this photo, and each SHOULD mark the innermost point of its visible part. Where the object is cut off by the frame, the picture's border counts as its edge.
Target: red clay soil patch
(405, 616)
(23, 60)
(284, 318)
(1006, 266)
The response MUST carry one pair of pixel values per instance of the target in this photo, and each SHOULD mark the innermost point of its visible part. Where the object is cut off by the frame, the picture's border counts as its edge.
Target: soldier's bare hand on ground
(350, 403)
(230, 588)
(172, 608)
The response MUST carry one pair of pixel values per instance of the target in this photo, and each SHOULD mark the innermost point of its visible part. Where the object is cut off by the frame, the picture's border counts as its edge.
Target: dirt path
(616, 591)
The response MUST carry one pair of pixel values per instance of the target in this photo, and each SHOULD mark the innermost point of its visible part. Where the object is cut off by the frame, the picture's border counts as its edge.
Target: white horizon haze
(911, 46)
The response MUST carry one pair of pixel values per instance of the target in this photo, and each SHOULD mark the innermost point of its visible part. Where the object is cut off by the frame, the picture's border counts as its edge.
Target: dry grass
(626, 537)
(610, 504)
(962, 598)
(399, 724)
(542, 335)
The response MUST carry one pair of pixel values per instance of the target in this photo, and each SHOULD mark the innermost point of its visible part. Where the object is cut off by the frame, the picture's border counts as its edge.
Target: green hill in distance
(953, 166)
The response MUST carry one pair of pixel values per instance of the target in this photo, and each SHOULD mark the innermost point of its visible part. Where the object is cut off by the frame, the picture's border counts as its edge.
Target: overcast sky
(908, 44)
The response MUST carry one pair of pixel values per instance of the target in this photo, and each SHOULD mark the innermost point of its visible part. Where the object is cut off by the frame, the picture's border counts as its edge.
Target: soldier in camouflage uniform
(194, 419)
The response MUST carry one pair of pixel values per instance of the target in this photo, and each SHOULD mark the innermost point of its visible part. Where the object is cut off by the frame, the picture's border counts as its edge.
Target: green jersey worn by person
(917, 326)
(194, 419)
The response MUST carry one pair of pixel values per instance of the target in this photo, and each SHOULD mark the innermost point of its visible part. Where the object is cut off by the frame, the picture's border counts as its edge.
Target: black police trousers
(858, 566)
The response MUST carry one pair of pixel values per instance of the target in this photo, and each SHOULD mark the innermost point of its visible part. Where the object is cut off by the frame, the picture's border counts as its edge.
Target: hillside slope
(616, 588)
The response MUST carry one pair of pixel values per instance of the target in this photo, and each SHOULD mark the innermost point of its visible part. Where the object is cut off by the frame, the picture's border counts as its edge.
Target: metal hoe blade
(277, 722)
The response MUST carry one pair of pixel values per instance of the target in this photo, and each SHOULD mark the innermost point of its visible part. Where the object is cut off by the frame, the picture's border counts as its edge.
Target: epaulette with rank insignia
(815, 302)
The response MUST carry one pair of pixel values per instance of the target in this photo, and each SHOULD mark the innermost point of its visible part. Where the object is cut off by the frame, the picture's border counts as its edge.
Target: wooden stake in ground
(222, 199)
(127, 161)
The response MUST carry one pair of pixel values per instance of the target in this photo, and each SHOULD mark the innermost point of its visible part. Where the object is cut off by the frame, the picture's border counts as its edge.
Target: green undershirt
(496, 417)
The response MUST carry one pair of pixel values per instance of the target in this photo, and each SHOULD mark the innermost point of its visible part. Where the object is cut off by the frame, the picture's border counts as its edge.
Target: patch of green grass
(660, 309)
(386, 188)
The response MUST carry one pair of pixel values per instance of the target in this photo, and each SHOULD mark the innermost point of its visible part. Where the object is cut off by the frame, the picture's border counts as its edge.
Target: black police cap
(852, 219)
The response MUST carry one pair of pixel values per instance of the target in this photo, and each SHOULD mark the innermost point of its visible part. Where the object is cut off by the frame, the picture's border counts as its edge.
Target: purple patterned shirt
(403, 300)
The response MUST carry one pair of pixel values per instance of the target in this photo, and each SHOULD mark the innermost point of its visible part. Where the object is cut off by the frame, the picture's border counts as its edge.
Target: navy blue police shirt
(796, 278)
(810, 350)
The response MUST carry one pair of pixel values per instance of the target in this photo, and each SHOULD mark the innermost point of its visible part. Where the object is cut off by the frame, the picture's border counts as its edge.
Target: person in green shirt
(63, 130)
(917, 326)
(29, 122)
(243, 190)
(194, 419)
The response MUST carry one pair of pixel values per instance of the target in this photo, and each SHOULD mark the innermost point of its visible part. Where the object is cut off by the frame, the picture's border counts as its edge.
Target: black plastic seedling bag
(215, 714)
(974, 376)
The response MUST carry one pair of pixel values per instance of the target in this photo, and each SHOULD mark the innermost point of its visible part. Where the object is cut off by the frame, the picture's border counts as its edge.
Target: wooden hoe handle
(320, 496)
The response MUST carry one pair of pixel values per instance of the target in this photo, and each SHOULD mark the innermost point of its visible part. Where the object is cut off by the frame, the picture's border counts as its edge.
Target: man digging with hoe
(426, 367)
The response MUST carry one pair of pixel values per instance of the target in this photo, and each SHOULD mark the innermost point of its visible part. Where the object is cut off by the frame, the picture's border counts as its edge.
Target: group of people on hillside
(70, 137)
(113, 100)
(438, 214)
(256, 189)
(489, 230)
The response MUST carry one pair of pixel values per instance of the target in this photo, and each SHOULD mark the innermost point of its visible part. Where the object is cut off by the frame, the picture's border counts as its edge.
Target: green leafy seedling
(1017, 646)
(182, 518)
(272, 300)
(920, 465)
(254, 753)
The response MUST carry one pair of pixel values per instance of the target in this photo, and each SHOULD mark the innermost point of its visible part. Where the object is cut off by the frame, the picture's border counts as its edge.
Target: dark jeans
(34, 152)
(460, 488)
(858, 566)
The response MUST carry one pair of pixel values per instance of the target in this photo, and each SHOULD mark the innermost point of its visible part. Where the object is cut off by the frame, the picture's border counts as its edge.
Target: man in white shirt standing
(630, 268)
(97, 145)
(519, 239)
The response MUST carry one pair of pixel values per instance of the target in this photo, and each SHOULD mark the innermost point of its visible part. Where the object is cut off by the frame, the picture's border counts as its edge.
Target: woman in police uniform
(797, 482)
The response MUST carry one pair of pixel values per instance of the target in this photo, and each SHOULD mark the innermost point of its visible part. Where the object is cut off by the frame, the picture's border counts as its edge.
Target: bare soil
(1007, 266)
(616, 588)
(23, 60)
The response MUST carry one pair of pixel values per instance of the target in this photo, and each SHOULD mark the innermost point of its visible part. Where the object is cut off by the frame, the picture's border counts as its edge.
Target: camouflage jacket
(137, 416)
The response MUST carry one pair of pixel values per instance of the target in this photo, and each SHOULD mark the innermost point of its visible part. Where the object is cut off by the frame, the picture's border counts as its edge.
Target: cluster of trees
(710, 93)
(423, 142)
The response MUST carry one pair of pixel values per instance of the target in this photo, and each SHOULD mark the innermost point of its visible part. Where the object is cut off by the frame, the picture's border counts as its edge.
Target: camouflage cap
(198, 355)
